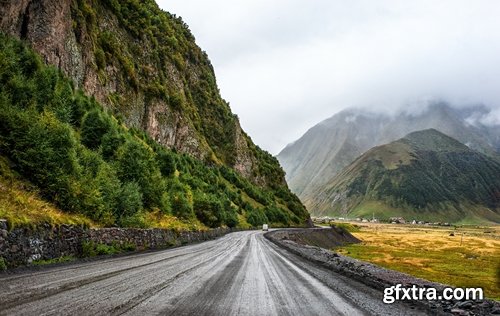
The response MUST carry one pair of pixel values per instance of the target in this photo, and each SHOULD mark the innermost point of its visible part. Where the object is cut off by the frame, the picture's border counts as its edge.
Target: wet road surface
(241, 273)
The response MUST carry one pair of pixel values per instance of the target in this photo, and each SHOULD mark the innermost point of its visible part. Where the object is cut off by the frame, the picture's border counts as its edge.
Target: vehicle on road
(265, 227)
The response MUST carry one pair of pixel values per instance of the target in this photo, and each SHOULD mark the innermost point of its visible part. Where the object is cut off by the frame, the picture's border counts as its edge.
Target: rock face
(143, 65)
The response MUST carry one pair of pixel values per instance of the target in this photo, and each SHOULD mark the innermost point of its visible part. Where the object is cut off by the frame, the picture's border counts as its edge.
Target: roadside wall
(22, 246)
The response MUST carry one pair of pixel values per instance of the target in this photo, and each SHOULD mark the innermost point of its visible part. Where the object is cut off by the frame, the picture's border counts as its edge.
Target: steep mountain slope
(138, 128)
(144, 66)
(425, 175)
(326, 148)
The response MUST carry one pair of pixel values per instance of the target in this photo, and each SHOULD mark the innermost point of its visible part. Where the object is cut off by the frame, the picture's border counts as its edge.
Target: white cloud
(285, 65)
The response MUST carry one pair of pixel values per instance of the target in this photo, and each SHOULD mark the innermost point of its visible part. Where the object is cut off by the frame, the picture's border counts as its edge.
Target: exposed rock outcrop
(164, 85)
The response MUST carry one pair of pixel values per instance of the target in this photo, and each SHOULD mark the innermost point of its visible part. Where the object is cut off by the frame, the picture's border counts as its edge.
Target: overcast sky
(285, 65)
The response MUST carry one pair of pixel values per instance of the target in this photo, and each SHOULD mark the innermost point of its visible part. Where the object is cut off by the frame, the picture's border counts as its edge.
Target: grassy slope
(432, 254)
(425, 176)
(20, 203)
(476, 215)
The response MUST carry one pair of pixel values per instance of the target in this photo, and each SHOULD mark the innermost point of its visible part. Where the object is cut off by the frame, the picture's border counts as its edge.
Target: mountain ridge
(317, 156)
(427, 175)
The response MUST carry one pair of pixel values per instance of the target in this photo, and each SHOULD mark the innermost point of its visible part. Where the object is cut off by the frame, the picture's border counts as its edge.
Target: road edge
(380, 278)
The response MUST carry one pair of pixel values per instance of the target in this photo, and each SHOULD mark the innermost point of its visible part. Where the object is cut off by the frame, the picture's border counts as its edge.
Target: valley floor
(462, 256)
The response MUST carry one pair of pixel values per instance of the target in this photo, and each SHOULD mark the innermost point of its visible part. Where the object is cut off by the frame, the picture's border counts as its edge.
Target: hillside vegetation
(425, 176)
(144, 66)
(86, 161)
(21, 205)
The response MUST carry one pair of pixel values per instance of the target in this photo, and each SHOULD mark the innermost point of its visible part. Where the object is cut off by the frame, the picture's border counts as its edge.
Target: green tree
(130, 200)
(136, 164)
(166, 162)
(209, 209)
(257, 217)
(181, 198)
(94, 126)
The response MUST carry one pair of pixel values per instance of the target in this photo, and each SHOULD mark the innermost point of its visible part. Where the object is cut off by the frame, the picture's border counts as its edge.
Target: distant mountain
(425, 175)
(312, 161)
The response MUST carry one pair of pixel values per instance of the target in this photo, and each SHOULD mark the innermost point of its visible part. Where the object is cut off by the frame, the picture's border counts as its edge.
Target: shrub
(103, 249)
(129, 200)
(209, 209)
(257, 217)
(94, 126)
(3, 264)
(88, 249)
(181, 199)
(347, 227)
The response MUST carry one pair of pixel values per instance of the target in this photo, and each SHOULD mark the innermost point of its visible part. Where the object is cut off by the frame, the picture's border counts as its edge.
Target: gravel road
(241, 273)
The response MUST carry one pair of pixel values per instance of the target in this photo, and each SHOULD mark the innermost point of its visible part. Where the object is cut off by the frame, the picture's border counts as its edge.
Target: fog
(286, 65)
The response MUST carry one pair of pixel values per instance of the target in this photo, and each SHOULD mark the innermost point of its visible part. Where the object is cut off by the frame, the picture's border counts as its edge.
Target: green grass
(3, 264)
(21, 204)
(52, 261)
(476, 215)
(92, 249)
(348, 227)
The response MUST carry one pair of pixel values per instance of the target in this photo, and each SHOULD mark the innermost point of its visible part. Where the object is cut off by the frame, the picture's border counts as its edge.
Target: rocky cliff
(144, 66)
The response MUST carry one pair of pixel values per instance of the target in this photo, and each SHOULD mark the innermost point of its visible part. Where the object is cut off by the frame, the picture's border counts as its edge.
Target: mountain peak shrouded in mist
(316, 157)
(425, 175)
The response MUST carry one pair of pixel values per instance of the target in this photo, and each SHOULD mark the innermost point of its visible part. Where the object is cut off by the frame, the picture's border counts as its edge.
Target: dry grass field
(461, 256)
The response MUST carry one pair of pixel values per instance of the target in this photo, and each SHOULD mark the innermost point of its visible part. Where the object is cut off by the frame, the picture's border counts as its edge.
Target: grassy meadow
(468, 258)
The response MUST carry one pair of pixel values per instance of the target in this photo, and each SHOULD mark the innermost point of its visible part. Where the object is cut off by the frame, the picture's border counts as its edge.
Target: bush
(347, 227)
(257, 217)
(102, 249)
(166, 162)
(209, 209)
(277, 215)
(94, 127)
(137, 220)
(231, 214)
(136, 163)
(129, 200)
(3, 264)
(88, 249)
(181, 199)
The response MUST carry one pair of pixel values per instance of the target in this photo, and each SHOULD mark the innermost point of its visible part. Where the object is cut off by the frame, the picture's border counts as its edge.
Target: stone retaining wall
(22, 246)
